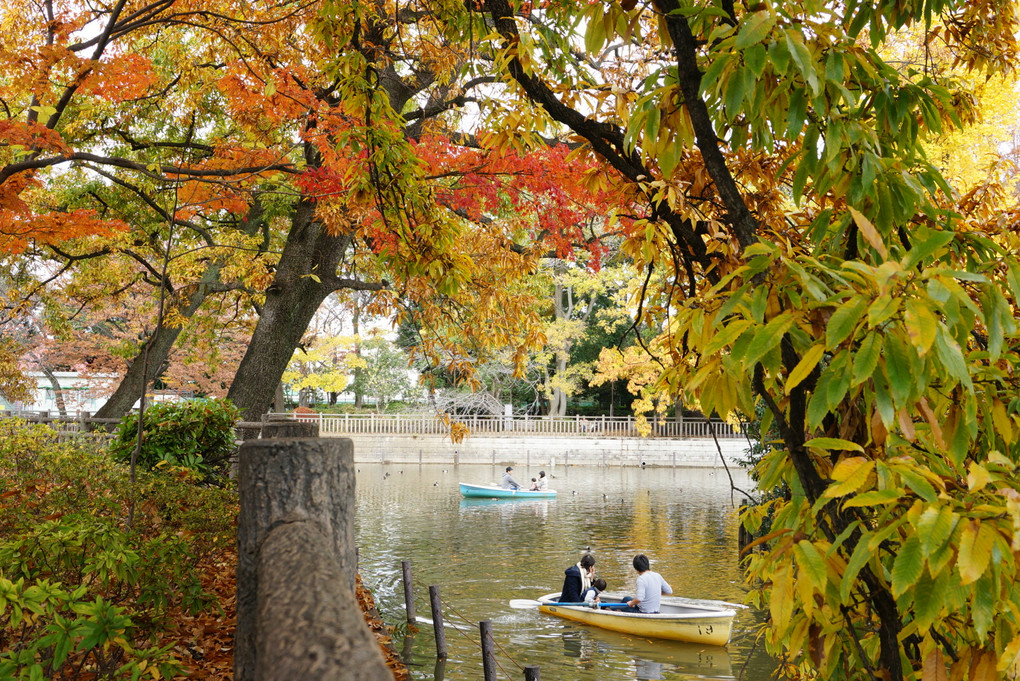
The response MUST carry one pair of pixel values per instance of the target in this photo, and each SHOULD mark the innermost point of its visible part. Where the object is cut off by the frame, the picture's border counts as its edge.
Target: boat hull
(492, 492)
(676, 622)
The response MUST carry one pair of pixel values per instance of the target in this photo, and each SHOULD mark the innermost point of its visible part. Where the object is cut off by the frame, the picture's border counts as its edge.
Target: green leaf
(797, 113)
(1013, 277)
(755, 29)
(818, 406)
(924, 249)
(711, 77)
(919, 484)
(727, 335)
(984, 605)
(928, 600)
(802, 58)
(866, 359)
(951, 357)
(858, 560)
(767, 338)
(756, 57)
(834, 67)
(935, 527)
(595, 33)
(897, 368)
(652, 123)
(779, 55)
(907, 567)
(735, 91)
(844, 320)
(881, 309)
(812, 564)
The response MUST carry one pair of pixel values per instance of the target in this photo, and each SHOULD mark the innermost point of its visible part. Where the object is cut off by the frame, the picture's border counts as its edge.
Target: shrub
(195, 434)
(81, 595)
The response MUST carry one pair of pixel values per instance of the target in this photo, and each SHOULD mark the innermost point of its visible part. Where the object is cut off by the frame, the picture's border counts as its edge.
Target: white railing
(430, 424)
(517, 426)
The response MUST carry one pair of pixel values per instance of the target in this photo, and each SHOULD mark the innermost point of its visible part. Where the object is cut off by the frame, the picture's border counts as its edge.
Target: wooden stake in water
(437, 622)
(408, 591)
(488, 653)
(531, 673)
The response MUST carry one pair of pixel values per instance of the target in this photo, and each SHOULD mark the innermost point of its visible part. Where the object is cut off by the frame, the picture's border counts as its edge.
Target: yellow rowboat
(677, 620)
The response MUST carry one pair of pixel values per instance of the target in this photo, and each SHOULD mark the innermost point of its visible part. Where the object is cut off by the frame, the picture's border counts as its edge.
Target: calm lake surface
(483, 553)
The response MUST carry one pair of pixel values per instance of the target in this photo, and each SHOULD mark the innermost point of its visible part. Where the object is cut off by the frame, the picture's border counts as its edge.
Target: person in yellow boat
(650, 588)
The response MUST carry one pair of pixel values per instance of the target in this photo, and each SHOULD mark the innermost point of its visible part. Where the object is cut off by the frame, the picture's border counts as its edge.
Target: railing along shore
(519, 426)
(690, 427)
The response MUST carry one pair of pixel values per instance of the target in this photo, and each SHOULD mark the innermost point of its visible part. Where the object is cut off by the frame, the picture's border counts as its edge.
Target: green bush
(195, 434)
(83, 595)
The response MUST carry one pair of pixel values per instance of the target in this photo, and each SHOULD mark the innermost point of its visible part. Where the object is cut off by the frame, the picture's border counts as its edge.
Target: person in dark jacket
(577, 579)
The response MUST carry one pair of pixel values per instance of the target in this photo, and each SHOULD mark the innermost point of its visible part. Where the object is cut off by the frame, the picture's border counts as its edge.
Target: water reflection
(482, 553)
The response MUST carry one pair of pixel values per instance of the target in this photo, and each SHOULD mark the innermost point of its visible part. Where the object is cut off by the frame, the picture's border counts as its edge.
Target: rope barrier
(446, 605)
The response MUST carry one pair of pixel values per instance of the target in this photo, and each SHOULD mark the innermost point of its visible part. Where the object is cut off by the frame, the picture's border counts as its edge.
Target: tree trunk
(359, 373)
(558, 401)
(58, 392)
(159, 345)
(562, 309)
(305, 275)
(279, 406)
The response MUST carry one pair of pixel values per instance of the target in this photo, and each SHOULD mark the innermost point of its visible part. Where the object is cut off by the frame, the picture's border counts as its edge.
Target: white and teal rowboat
(494, 492)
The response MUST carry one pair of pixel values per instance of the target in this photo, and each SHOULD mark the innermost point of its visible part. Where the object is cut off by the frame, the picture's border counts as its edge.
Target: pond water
(483, 553)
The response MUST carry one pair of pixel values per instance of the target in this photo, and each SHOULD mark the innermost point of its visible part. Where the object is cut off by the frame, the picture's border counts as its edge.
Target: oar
(522, 603)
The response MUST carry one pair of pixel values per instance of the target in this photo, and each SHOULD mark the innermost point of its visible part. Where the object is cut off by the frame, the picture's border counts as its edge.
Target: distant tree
(385, 371)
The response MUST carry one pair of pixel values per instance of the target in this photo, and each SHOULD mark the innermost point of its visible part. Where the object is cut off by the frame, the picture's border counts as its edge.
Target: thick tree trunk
(130, 389)
(305, 275)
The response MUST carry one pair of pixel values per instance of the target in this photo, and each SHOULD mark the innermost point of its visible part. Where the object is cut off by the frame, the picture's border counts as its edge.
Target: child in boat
(591, 594)
(534, 485)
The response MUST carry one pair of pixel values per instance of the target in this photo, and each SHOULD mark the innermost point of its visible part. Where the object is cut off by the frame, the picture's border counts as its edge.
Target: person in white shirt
(542, 480)
(650, 587)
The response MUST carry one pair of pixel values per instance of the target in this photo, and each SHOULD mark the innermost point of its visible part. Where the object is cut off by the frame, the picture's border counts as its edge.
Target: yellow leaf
(805, 366)
(849, 475)
(921, 325)
(869, 232)
(1009, 660)
(977, 477)
(1002, 422)
(975, 551)
(781, 602)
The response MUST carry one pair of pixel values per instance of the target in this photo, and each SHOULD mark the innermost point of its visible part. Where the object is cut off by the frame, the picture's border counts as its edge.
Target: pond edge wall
(548, 451)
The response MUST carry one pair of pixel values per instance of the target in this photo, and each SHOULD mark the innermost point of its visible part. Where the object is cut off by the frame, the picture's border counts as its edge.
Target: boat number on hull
(704, 630)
